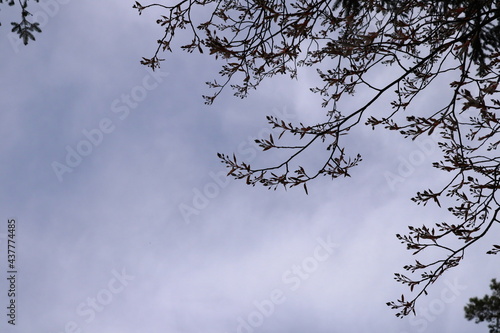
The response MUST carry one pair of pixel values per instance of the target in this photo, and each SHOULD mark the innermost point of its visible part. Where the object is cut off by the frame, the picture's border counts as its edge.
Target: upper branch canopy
(349, 42)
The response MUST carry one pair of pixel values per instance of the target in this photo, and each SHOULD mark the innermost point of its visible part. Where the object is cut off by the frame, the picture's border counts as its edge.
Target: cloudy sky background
(112, 233)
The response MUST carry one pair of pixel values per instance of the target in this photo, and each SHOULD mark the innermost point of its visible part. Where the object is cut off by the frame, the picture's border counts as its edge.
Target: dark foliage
(486, 309)
(24, 28)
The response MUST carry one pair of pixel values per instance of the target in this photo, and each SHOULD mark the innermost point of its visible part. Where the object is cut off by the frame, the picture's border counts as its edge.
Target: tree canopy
(348, 42)
(486, 309)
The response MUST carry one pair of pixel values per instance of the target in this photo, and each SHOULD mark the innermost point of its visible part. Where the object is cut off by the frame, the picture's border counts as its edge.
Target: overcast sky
(126, 223)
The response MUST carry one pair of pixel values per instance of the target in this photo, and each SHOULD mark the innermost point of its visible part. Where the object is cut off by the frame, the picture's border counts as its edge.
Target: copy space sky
(125, 219)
